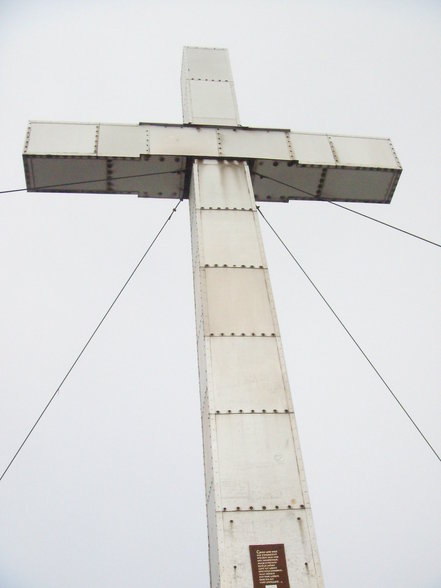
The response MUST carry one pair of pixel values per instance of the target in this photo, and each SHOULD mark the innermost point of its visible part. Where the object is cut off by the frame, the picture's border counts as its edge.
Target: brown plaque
(268, 563)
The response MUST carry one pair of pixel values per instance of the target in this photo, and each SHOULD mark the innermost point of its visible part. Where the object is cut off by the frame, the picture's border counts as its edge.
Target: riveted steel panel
(254, 144)
(363, 185)
(47, 138)
(122, 140)
(238, 301)
(223, 186)
(257, 462)
(290, 528)
(206, 63)
(196, 141)
(247, 374)
(284, 181)
(364, 152)
(159, 177)
(311, 148)
(65, 174)
(230, 237)
(212, 102)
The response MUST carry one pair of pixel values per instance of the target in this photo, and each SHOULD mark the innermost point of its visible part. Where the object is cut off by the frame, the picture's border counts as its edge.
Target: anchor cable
(90, 339)
(348, 332)
(318, 199)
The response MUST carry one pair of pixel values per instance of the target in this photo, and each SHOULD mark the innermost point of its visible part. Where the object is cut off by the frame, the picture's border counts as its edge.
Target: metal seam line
(348, 332)
(89, 340)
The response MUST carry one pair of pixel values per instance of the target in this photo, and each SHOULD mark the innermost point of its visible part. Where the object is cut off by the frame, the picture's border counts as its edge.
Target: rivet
(263, 507)
(231, 521)
(237, 507)
(289, 506)
(162, 158)
(299, 518)
(251, 507)
(263, 410)
(275, 163)
(302, 506)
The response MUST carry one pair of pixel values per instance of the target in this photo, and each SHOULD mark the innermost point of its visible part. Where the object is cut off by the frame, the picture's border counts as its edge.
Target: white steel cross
(260, 525)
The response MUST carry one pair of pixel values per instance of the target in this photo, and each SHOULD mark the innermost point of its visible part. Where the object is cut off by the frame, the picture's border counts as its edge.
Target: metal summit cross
(260, 525)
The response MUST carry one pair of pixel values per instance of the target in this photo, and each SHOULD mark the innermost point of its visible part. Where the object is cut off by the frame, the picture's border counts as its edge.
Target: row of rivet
(290, 147)
(242, 335)
(276, 163)
(28, 137)
(225, 208)
(234, 265)
(97, 137)
(252, 411)
(206, 80)
(276, 507)
(321, 181)
(109, 172)
(334, 152)
(147, 140)
(394, 154)
(219, 142)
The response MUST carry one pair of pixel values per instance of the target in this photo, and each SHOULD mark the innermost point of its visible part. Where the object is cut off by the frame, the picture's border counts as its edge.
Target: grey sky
(109, 490)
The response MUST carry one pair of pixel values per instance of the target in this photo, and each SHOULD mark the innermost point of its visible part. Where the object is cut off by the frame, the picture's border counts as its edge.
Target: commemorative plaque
(268, 563)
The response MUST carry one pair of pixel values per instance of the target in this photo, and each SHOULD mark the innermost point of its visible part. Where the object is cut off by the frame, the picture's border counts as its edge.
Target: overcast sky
(109, 489)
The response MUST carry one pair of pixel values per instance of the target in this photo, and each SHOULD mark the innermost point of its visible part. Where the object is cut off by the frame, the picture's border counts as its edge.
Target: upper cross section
(207, 86)
(154, 160)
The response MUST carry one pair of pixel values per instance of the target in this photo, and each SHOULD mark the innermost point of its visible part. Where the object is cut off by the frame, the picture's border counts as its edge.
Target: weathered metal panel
(283, 182)
(223, 186)
(171, 140)
(203, 63)
(123, 140)
(229, 238)
(247, 375)
(238, 301)
(211, 102)
(358, 185)
(257, 462)
(254, 144)
(364, 152)
(208, 95)
(312, 148)
(46, 138)
(65, 174)
(159, 177)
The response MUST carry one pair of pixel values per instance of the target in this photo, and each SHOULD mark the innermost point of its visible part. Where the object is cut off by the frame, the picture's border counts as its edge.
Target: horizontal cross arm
(151, 159)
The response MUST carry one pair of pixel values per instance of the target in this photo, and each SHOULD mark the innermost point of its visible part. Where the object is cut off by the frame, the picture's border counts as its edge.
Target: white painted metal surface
(208, 95)
(255, 484)
(284, 165)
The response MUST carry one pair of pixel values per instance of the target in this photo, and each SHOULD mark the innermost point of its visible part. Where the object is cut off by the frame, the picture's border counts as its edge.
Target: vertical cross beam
(259, 516)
